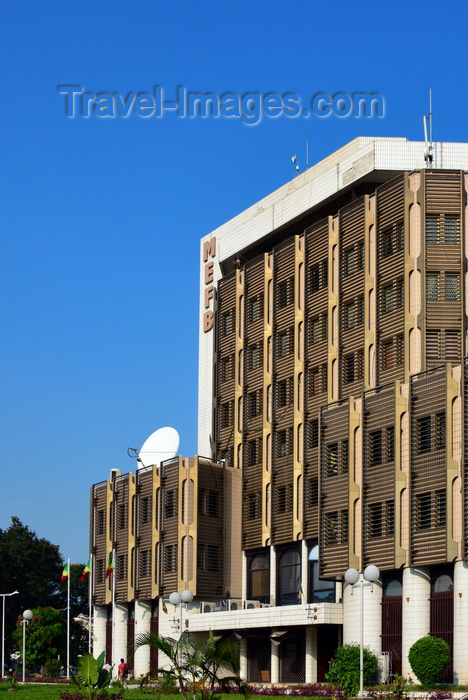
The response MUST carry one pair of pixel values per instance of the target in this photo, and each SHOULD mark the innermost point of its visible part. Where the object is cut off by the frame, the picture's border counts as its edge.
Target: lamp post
(4, 595)
(27, 615)
(352, 576)
(179, 598)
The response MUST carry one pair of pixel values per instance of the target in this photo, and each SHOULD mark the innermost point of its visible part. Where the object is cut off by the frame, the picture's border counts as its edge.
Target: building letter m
(209, 249)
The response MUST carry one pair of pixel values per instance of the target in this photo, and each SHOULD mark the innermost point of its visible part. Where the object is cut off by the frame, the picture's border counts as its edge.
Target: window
(350, 315)
(432, 287)
(122, 516)
(254, 509)
(227, 325)
(284, 293)
(390, 517)
(387, 242)
(424, 434)
(452, 230)
(360, 249)
(432, 343)
(282, 393)
(344, 456)
(170, 558)
(202, 501)
(376, 520)
(100, 522)
(314, 278)
(254, 403)
(400, 237)
(320, 591)
(387, 298)
(331, 528)
(170, 504)
(255, 308)
(387, 354)
(100, 570)
(423, 511)
(313, 434)
(121, 567)
(212, 558)
(432, 229)
(350, 261)
(452, 287)
(145, 563)
(252, 453)
(213, 504)
(390, 435)
(399, 354)
(360, 309)
(452, 344)
(259, 578)
(226, 415)
(255, 356)
(201, 557)
(375, 447)
(400, 292)
(285, 343)
(312, 493)
(284, 442)
(315, 330)
(332, 459)
(325, 272)
(440, 431)
(349, 374)
(289, 577)
(440, 508)
(284, 499)
(145, 511)
(227, 368)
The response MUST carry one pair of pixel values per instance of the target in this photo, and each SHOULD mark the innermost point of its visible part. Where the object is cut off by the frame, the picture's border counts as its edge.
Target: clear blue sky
(101, 218)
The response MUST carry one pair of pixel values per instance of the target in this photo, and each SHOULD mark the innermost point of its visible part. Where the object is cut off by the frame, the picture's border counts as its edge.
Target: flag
(85, 571)
(300, 593)
(164, 607)
(65, 572)
(110, 566)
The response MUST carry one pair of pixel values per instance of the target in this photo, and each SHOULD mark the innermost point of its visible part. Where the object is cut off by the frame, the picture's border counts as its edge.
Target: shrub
(52, 668)
(346, 661)
(429, 657)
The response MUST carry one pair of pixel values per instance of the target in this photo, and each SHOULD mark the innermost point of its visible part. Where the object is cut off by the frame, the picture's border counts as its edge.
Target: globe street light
(352, 576)
(177, 599)
(27, 615)
(4, 595)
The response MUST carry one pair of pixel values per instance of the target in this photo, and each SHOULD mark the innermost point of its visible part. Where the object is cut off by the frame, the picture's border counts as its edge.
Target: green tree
(31, 566)
(196, 664)
(346, 663)
(429, 657)
(45, 636)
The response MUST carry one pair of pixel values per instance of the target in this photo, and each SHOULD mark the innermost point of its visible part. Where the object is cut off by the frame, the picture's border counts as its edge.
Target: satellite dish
(162, 444)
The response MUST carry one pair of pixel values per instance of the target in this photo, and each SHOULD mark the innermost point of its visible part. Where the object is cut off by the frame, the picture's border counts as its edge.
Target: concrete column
(99, 629)
(244, 576)
(311, 654)
(372, 615)
(119, 629)
(460, 627)
(273, 575)
(141, 663)
(274, 674)
(243, 659)
(416, 615)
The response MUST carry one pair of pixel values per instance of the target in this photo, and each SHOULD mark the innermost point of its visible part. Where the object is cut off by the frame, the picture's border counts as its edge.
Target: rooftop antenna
(296, 165)
(428, 145)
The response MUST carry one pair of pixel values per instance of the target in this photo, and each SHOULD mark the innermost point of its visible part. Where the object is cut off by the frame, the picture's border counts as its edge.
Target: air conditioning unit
(250, 604)
(266, 605)
(234, 603)
(207, 607)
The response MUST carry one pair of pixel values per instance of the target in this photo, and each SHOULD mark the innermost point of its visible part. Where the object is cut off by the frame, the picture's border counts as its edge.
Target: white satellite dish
(162, 444)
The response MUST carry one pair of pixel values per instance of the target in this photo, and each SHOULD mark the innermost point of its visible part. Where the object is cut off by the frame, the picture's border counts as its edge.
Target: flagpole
(90, 602)
(113, 607)
(68, 622)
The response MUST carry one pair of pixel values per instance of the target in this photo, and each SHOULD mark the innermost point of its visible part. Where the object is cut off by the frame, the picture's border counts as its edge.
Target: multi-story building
(332, 417)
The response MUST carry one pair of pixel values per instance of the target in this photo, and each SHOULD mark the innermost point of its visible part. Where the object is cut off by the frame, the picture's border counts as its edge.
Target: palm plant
(198, 666)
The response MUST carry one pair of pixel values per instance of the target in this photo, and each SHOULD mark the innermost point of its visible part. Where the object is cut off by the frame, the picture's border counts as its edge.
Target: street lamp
(27, 615)
(179, 598)
(352, 576)
(4, 595)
